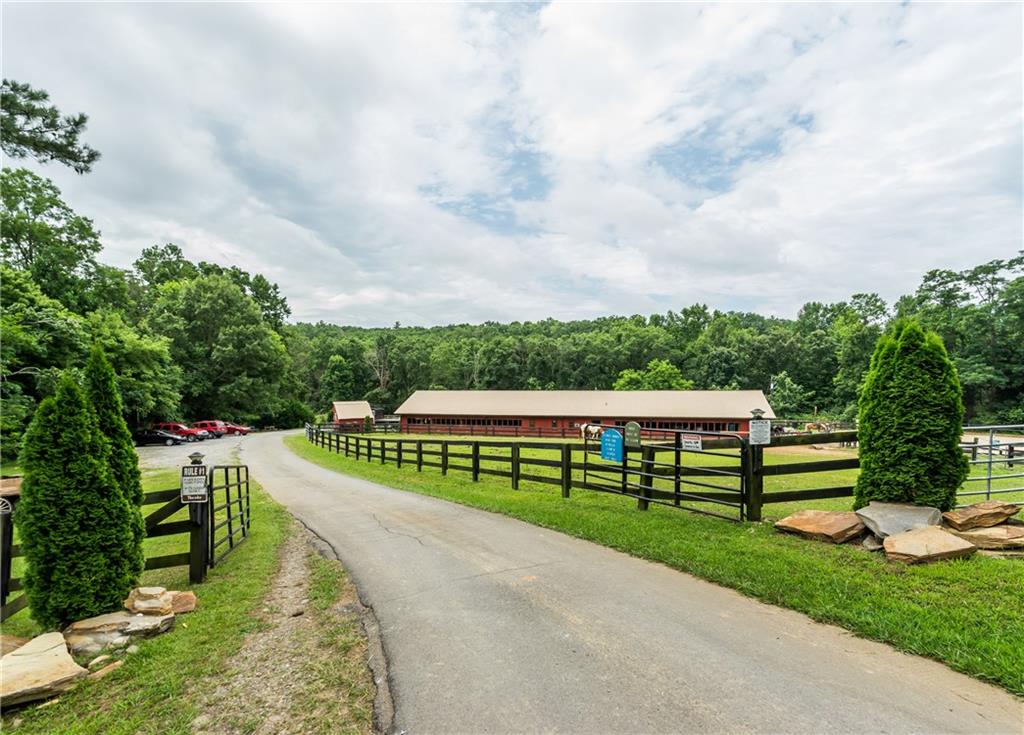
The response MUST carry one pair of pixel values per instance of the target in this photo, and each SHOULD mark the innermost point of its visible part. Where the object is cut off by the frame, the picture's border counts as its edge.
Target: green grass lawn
(968, 614)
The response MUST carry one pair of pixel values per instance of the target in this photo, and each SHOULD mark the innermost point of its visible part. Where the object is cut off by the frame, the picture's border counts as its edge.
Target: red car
(188, 434)
(216, 428)
(235, 429)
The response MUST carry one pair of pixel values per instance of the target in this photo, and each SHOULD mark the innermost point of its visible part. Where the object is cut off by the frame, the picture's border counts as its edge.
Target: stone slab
(888, 519)
(113, 630)
(993, 537)
(980, 515)
(183, 602)
(922, 545)
(39, 669)
(823, 525)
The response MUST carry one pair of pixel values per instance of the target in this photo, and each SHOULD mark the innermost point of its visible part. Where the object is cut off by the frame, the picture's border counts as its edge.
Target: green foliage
(658, 375)
(367, 423)
(787, 398)
(74, 522)
(41, 234)
(30, 127)
(102, 391)
(911, 412)
(337, 383)
(232, 361)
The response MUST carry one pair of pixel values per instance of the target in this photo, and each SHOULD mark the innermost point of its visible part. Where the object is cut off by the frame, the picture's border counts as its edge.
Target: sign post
(195, 495)
(611, 445)
(760, 429)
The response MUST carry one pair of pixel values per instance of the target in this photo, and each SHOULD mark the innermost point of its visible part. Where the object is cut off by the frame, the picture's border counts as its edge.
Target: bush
(101, 387)
(72, 517)
(911, 415)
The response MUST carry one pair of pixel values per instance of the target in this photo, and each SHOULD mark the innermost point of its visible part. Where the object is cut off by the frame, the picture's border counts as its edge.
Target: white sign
(693, 443)
(760, 431)
(193, 483)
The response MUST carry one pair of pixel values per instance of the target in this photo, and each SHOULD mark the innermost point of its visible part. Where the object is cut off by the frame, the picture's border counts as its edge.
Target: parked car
(236, 429)
(216, 428)
(156, 436)
(186, 433)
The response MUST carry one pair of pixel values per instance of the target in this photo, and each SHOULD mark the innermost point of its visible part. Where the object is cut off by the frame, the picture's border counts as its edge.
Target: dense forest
(193, 340)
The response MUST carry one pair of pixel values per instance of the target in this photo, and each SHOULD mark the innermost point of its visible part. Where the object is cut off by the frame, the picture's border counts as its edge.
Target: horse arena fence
(722, 475)
(214, 529)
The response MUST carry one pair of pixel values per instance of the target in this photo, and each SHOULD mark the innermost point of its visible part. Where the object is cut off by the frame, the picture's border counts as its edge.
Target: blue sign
(611, 445)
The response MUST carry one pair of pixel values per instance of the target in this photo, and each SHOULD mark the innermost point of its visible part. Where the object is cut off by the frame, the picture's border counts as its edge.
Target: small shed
(350, 415)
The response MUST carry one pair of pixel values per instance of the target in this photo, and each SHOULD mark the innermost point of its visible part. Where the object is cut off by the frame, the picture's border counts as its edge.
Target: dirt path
(303, 668)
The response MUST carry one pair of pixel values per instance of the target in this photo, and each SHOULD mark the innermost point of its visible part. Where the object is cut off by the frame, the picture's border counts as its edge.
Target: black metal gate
(699, 471)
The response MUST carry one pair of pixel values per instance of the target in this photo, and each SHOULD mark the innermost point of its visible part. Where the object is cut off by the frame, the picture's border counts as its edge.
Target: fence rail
(221, 520)
(663, 471)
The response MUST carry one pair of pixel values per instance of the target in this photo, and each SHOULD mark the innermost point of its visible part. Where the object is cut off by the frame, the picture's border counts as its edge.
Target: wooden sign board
(193, 483)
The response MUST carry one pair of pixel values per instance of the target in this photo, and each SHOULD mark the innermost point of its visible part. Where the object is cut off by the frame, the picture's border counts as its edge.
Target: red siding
(555, 425)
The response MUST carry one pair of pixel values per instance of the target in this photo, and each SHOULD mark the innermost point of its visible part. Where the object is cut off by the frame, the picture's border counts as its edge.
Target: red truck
(187, 433)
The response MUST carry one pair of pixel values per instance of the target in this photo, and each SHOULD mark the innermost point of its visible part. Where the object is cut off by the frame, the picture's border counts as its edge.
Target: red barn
(350, 415)
(562, 412)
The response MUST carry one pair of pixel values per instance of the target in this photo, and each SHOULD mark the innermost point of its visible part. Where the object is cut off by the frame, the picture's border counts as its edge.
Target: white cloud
(736, 154)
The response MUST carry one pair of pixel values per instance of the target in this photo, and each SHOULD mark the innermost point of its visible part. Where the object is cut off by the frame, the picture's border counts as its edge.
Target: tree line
(192, 340)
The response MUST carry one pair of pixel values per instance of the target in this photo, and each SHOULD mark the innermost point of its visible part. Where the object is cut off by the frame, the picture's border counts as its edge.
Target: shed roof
(697, 404)
(351, 410)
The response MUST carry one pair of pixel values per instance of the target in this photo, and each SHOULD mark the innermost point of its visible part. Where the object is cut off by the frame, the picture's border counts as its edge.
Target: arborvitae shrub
(101, 388)
(911, 414)
(72, 518)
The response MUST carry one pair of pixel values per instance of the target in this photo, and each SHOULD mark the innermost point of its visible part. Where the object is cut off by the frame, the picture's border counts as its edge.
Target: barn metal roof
(352, 410)
(698, 404)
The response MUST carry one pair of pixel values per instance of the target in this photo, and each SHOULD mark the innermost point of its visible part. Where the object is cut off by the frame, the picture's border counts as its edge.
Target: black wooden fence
(224, 519)
(728, 479)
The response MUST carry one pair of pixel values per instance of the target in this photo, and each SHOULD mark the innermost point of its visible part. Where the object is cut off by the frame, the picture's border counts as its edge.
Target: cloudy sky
(452, 163)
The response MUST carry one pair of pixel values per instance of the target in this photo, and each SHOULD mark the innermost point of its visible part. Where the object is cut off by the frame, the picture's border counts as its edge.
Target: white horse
(591, 431)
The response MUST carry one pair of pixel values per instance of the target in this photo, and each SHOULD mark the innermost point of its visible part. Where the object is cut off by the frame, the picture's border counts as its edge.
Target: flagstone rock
(872, 542)
(112, 666)
(824, 525)
(922, 545)
(9, 643)
(150, 601)
(888, 519)
(39, 669)
(183, 602)
(980, 515)
(113, 630)
(994, 537)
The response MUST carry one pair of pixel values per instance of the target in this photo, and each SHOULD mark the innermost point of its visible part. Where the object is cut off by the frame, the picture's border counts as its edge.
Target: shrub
(911, 414)
(72, 517)
(101, 388)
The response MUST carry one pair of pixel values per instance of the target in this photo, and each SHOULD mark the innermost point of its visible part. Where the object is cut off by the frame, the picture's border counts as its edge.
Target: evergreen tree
(911, 413)
(72, 517)
(102, 390)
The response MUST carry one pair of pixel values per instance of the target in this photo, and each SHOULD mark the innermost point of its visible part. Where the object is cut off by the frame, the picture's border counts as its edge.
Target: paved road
(496, 626)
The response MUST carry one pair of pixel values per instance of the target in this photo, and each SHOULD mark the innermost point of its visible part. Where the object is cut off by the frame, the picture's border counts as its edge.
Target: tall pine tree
(911, 414)
(73, 521)
(101, 388)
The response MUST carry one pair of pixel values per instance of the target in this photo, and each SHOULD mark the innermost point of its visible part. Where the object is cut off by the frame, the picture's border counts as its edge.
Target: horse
(591, 431)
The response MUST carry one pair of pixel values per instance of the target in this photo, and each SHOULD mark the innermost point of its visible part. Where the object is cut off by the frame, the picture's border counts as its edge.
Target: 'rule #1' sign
(193, 483)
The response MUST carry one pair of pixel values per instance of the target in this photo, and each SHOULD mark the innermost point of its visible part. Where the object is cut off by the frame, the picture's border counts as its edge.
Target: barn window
(554, 424)
(734, 427)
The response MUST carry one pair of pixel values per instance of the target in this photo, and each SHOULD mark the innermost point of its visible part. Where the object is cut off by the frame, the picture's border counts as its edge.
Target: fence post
(199, 547)
(755, 481)
(647, 479)
(515, 465)
(346, 445)
(679, 459)
(383, 452)
(974, 450)
(476, 461)
(419, 455)
(6, 542)
(444, 458)
(1009, 456)
(398, 457)
(566, 469)
(356, 438)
